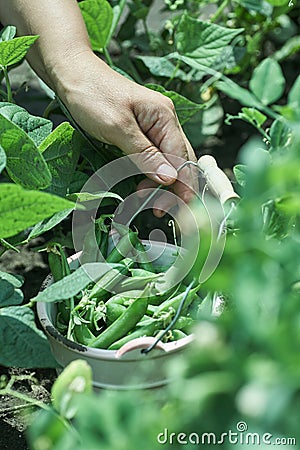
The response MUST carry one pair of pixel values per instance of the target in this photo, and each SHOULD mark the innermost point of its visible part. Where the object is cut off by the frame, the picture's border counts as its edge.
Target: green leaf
(72, 284)
(280, 134)
(2, 159)
(161, 66)
(240, 173)
(117, 12)
(61, 151)
(253, 116)
(267, 82)
(235, 91)
(294, 95)
(22, 343)
(98, 17)
(13, 51)
(20, 208)
(289, 48)
(8, 33)
(48, 224)
(77, 182)
(9, 295)
(201, 40)
(261, 6)
(185, 108)
(88, 196)
(25, 165)
(37, 128)
(16, 280)
(276, 222)
(277, 2)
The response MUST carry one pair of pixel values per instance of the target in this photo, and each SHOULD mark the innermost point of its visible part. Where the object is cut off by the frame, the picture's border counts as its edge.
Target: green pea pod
(90, 249)
(142, 257)
(110, 279)
(184, 323)
(55, 264)
(83, 334)
(174, 302)
(74, 380)
(177, 334)
(58, 263)
(125, 323)
(139, 279)
(64, 311)
(113, 312)
(103, 246)
(146, 330)
(122, 297)
(123, 247)
(153, 299)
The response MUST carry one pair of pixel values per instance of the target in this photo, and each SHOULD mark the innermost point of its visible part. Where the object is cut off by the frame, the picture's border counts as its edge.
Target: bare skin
(107, 105)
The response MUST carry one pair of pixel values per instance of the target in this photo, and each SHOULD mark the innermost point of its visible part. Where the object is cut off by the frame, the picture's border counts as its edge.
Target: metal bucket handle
(147, 341)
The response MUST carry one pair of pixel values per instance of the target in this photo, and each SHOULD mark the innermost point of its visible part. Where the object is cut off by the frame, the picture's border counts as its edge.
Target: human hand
(117, 111)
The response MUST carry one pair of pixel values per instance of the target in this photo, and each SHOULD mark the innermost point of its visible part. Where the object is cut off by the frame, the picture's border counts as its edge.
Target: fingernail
(166, 173)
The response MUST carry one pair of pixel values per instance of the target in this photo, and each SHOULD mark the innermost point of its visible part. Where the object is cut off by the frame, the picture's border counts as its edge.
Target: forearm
(63, 36)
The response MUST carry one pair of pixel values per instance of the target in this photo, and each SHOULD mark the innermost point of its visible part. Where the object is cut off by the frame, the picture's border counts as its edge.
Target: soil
(15, 414)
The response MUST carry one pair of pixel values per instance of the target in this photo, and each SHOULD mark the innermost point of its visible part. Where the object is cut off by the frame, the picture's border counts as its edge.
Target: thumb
(149, 159)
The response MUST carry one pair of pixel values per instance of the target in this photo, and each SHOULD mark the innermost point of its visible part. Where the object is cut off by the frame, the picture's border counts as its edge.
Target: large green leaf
(61, 150)
(161, 66)
(98, 17)
(203, 41)
(20, 208)
(14, 50)
(267, 82)
(72, 284)
(36, 127)
(25, 165)
(22, 343)
(48, 224)
(235, 91)
(185, 108)
(92, 196)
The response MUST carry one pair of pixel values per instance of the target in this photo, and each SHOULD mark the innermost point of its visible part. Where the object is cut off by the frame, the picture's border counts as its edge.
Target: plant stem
(34, 402)
(25, 398)
(107, 57)
(48, 110)
(147, 30)
(8, 85)
(219, 11)
(174, 73)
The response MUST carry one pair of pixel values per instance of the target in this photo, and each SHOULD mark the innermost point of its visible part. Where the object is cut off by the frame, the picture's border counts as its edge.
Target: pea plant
(250, 351)
(204, 56)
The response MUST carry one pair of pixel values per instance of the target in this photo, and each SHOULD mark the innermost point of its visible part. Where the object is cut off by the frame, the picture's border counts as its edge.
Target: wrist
(66, 73)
